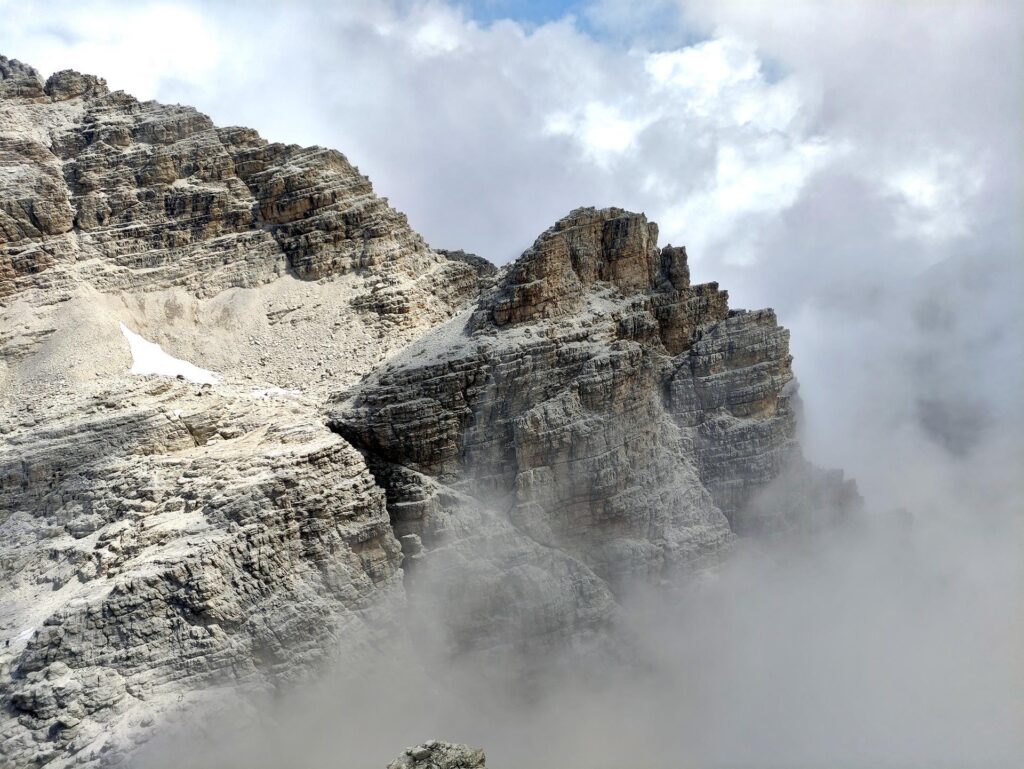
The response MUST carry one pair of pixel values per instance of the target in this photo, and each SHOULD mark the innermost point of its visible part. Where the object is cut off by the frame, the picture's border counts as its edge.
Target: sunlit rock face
(161, 540)
(150, 195)
(385, 437)
(594, 403)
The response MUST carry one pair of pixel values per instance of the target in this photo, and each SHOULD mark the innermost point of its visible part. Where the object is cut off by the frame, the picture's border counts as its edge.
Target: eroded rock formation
(395, 437)
(159, 539)
(434, 754)
(594, 403)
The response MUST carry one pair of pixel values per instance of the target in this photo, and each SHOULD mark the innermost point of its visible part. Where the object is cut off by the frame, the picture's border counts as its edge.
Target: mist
(859, 169)
(863, 654)
(889, 640)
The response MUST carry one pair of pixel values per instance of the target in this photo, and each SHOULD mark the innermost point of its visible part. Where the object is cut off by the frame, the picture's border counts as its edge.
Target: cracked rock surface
(393, 441)
(594, 403)
(434, 754)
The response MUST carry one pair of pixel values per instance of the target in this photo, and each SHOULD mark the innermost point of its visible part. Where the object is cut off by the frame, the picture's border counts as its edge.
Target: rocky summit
(253, 424)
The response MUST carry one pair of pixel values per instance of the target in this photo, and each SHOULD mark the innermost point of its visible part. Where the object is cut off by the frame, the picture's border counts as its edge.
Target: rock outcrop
(105, 200)
(440, 755)
(156, 195)
(170, 540)
(547, 402)
(594, 403)
(159, 539)
(394, 438)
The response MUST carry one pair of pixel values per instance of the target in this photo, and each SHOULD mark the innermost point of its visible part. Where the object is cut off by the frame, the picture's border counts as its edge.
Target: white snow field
(149, 358)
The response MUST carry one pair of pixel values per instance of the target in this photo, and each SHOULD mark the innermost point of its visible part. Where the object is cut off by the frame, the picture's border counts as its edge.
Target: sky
(857, 166)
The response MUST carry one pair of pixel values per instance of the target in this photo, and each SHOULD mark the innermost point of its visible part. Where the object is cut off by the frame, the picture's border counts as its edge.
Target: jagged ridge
(535, 440)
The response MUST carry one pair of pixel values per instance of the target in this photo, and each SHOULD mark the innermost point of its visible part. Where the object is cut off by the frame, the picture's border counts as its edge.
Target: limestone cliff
(161, 539)
(388, 436)
(111, 207)
(594, 402)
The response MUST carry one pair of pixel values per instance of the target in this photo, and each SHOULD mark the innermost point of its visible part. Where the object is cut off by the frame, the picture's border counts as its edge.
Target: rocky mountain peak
(610, 246)
(18, 79)
(68, 84)
(385, 435)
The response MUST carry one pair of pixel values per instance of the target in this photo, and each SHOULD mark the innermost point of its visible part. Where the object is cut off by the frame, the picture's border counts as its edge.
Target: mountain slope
(384, 441)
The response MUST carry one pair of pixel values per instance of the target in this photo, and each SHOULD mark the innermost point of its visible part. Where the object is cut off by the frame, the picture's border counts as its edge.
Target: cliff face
(103, 197)
(594, 402)
(161, 542)
(150, 195)
(547, 401)
(391, 437)
(159, 538)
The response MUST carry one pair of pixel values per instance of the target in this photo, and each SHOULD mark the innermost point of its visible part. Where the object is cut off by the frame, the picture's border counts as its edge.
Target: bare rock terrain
(386, 437)
(434, 754)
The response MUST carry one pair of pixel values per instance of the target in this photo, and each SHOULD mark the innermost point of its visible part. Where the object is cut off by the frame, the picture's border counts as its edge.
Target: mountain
(345, 437)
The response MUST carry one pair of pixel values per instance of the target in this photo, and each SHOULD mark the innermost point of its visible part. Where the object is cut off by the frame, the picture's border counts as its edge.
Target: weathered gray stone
(434, 754)
(240, 561)
(594, 403)
(508, 451)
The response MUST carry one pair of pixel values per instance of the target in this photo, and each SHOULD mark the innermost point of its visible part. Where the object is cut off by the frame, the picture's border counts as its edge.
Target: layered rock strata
(595, 403)
(505, 455)
(160, 540)
(103, 197)
(172, 540)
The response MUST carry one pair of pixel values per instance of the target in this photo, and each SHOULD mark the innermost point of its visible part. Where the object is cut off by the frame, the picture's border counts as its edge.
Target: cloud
(599, 130)
(483, 134)
(858, 166)
(118, 40)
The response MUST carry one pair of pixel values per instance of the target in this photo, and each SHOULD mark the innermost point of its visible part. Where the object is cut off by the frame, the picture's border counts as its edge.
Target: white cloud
(703, 71)
(934, 198)
(139, 47)
(600, 130)
(440, 31)
(438, 109)
(759, 180)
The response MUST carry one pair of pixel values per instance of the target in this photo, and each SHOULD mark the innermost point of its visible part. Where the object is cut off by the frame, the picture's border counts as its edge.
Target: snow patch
(149, 358)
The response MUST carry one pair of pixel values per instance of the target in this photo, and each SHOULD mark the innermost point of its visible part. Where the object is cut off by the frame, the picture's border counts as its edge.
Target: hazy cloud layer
(877, 649)
(858, 166)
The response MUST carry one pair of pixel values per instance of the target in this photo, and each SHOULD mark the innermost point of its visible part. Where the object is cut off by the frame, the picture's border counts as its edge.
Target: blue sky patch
(524, 11)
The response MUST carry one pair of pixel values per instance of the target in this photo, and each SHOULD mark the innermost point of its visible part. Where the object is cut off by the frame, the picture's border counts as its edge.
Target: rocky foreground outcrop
(391, 438)
(434, 754)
